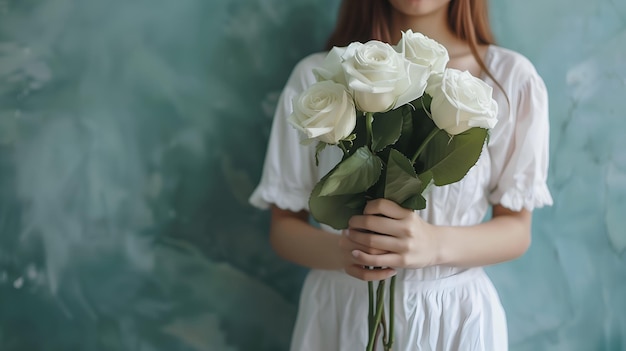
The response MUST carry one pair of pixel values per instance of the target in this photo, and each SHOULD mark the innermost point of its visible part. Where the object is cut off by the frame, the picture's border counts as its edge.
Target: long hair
(364, 20)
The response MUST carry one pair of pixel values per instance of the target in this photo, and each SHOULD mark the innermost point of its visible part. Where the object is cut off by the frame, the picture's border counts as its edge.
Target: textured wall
(132, 132)
(569, 291)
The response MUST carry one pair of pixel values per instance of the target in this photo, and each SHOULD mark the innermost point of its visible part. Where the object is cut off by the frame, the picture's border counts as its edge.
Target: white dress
(438, 308)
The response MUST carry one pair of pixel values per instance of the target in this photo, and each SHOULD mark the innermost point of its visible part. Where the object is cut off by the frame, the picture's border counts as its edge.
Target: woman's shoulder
(302, 73)
(311, 61)
(509, 65)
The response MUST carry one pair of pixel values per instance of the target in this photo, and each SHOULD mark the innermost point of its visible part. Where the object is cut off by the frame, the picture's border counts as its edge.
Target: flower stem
(369, 120)
(380, 291)
(424, 143)
(343, 148)
(370, 311)
(383, 324)
(392, 291)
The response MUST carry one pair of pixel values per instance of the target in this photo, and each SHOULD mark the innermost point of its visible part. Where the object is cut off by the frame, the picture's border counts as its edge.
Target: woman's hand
(357, 269)
(403, 240)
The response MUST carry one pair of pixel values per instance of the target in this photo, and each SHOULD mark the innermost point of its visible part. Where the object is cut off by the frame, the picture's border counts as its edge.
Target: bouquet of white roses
(403, 120)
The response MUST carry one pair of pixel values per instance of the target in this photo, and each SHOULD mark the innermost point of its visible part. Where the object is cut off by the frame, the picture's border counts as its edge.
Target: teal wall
(132, 133)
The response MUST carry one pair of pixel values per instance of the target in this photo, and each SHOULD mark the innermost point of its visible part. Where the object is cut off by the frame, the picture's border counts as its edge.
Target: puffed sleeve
(288, 172)
(520, 148)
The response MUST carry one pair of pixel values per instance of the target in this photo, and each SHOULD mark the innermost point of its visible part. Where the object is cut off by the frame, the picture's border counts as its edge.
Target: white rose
(461, 101)
(331, 67)
(380, 78)
(421, 50)
(325, 111)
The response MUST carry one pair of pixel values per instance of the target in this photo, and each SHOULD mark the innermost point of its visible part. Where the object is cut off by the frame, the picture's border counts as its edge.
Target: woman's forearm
(503, 238)
(295, 240)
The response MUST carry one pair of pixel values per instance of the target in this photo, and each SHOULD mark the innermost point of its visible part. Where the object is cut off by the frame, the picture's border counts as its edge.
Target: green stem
(424, 143)
(370, 311)
(383, 324)
(369, 120)
(379, 312)
(392, 291)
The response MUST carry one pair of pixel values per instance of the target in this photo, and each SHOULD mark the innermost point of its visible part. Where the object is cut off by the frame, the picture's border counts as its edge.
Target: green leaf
(353, 175)
(377, 191)
(401, 182)
(335, 211)
(416, 202)
(406, 135)
(421, 124)
(448, 159)
(426, 178)
(386, 128)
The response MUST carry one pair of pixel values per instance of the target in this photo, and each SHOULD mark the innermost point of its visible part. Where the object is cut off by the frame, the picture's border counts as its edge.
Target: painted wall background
(132, 133)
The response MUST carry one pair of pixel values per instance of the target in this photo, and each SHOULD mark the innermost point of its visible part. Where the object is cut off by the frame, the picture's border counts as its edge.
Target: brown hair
(364, 20)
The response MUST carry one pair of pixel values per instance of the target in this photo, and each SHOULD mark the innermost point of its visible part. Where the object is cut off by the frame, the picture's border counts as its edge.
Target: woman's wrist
(503, 238)
(441, 252)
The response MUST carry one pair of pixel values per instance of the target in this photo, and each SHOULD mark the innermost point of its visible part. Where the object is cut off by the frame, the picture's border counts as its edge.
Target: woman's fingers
(369, 274)
(385, 260)
(406, 240)
(386, 208)
(376, 224)
(360, 271)
(381, 242)
(348, 244)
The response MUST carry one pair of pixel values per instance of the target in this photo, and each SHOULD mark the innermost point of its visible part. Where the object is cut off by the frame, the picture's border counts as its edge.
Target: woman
(444, 299)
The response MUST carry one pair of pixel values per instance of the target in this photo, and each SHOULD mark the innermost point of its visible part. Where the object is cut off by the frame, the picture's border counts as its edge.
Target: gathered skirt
(460, 312)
